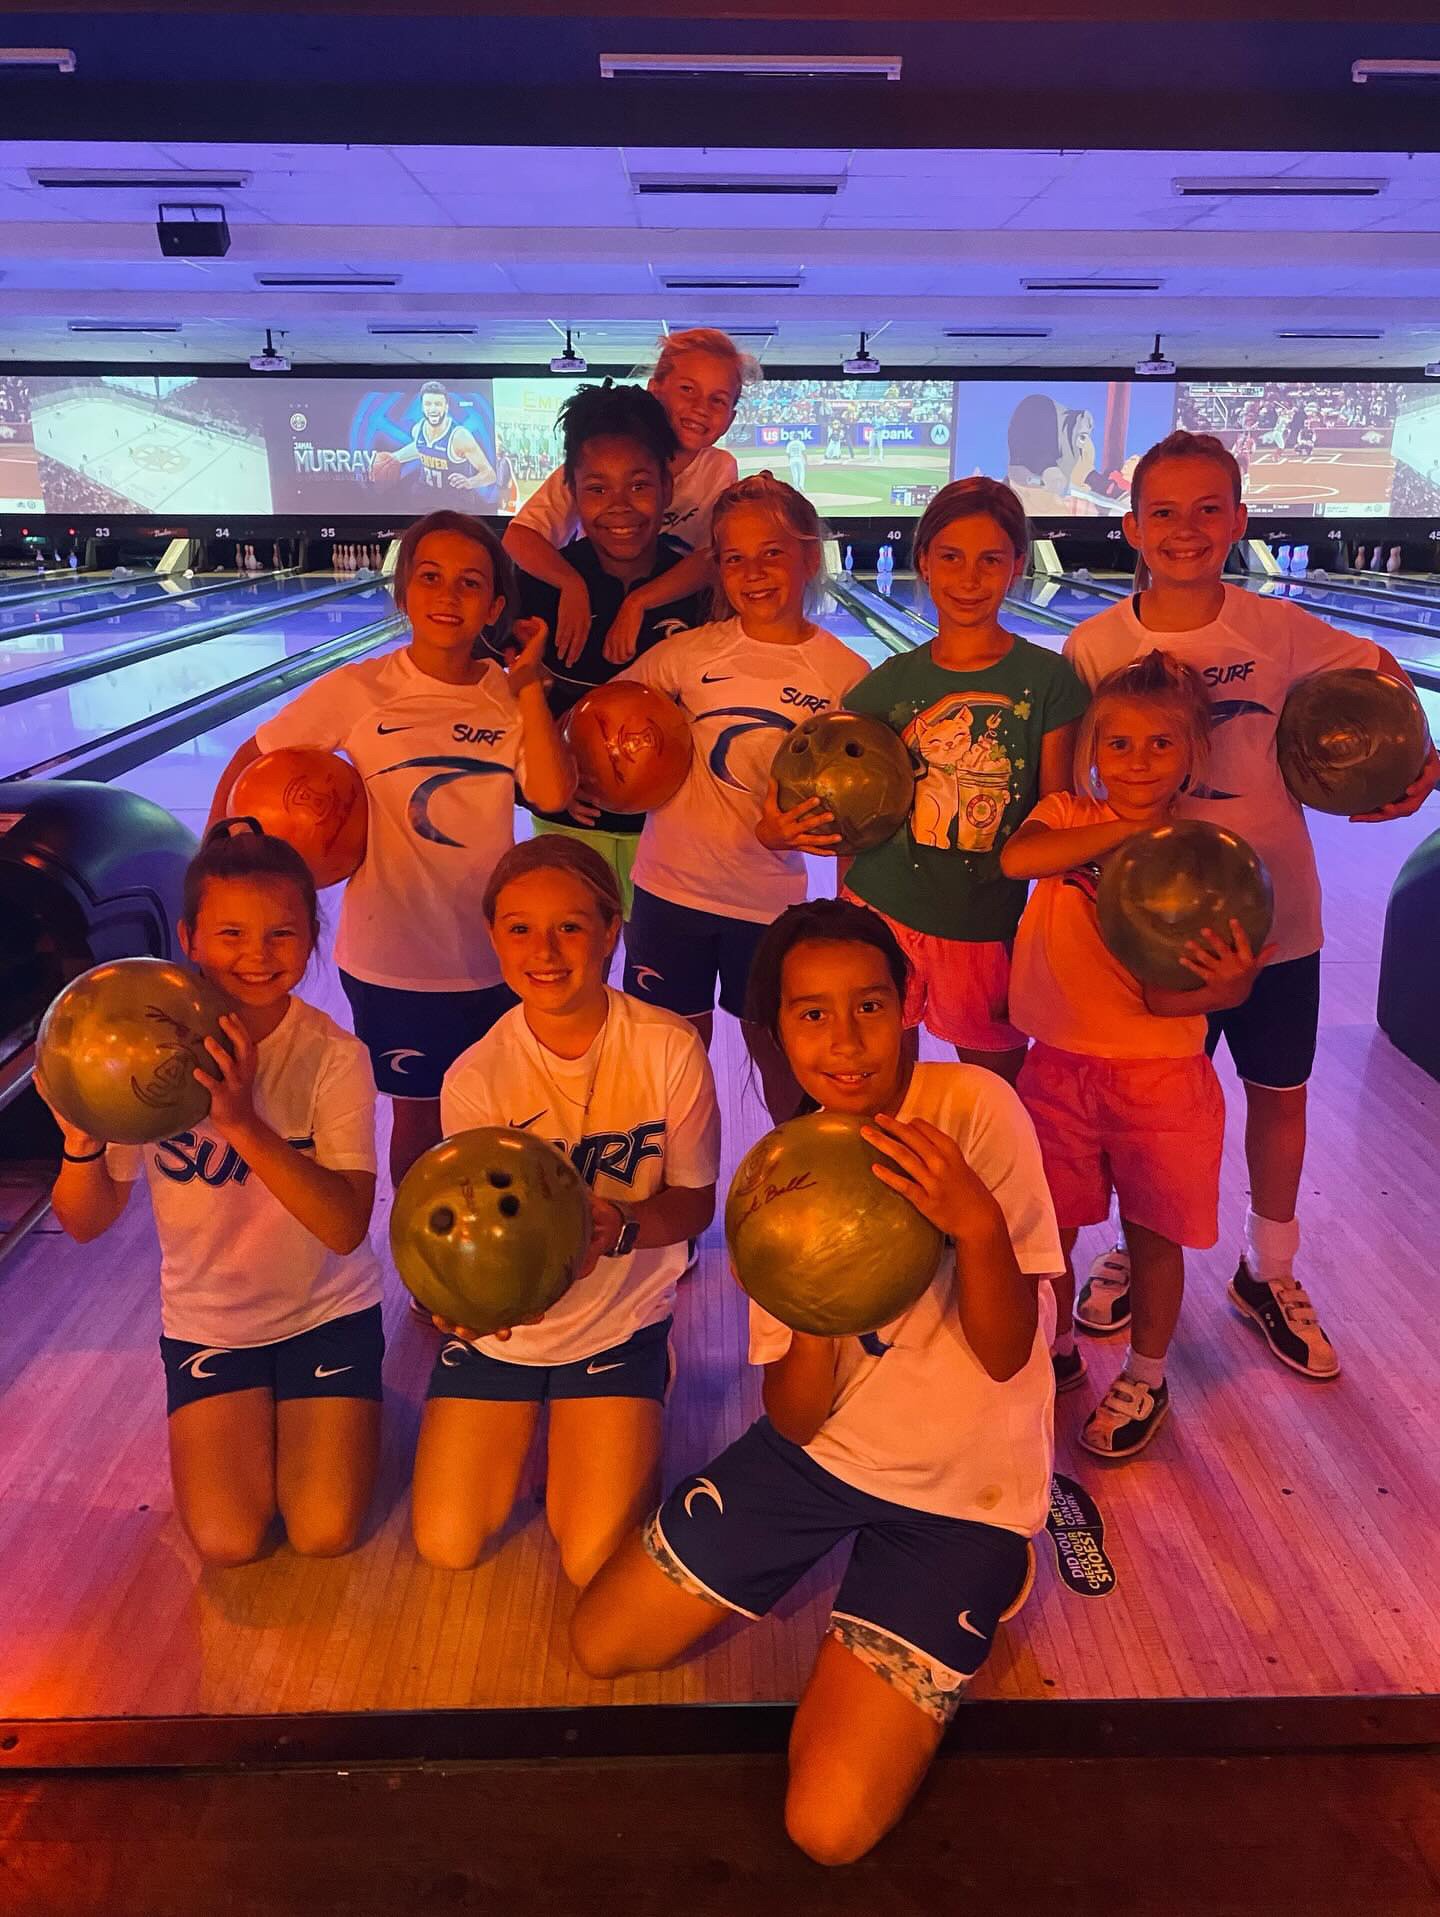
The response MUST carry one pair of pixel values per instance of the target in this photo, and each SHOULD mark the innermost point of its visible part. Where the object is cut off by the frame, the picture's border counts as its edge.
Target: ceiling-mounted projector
(569, 361)
(1432, 369)
(864, 363)
(1155, 365)
(269, 361)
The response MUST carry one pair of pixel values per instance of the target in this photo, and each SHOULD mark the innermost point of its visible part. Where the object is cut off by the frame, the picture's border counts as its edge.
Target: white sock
(1270, 1246)
(1146, 1371)
(1064, 1345)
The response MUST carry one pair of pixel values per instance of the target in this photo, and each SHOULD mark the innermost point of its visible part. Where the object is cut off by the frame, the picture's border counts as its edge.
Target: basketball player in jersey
(448, 453)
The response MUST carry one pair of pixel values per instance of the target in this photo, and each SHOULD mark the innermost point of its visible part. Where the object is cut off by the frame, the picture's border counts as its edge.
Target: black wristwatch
(629, 1232)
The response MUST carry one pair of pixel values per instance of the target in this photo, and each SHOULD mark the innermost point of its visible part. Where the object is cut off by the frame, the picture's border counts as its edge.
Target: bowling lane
(856, 634)
(1419, 640)
(907, 591)
(150, 618)
(58, 721)
(22, 608)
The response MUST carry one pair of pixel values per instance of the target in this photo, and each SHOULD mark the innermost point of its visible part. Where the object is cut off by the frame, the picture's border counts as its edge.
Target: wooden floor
(1277, 1539)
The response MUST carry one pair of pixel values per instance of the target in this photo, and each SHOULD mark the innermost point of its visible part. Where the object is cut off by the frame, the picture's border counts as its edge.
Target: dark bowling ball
(1351, 741)
(858, 766)
(117, 1050)
(1163, 888)
(815, 1238)
(490, 1227)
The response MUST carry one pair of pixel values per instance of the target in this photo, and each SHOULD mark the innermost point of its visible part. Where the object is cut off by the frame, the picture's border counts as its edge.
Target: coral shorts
(959, 988)
(1148, 1129)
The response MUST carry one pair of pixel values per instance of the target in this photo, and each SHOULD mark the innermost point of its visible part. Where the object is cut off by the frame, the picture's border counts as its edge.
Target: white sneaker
(1104, 1302)
(1126, 1418)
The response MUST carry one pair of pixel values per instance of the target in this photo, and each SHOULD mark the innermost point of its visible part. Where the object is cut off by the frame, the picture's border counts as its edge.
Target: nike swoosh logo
(592, 1370)
(524, 1124)
(713, 678)
(385, 731)
(965, 1625)
(331, 1371)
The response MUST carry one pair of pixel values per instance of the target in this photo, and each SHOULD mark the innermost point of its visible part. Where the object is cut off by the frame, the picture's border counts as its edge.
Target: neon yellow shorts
(616, 848)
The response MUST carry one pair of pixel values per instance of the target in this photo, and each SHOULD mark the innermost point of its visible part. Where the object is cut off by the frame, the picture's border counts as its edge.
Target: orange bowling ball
(632, 745)
(312, 799)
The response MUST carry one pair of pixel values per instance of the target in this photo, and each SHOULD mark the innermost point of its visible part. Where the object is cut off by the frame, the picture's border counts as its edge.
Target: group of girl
(477, 972)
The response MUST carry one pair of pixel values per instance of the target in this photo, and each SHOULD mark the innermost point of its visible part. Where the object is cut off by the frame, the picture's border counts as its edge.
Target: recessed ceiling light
(751, 66)
(731, 282)
(326, 282)
(1401, 71)
(61, 58)
(385, 329)
(93, 179)
(122, 326)
(997, 332)
(741, 185)
(1283, 186)
(1093, 286)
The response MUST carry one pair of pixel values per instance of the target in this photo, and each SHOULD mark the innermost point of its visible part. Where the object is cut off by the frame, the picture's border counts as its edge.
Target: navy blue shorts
(638, 1368)
(413, 1038)
(339, 1359)
(1272, 1036)
(674, 954)
(920, 1599)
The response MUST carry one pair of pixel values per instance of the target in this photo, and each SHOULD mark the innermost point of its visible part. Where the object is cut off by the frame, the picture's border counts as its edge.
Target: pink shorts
(959, 990)
(1148, 1129)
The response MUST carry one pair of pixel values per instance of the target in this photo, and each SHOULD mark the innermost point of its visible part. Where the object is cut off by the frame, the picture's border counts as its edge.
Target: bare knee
(582, 1558)
(322, 1533)
(824, 1822)
(227, 1540)
(598, 1641)
(447, 1545)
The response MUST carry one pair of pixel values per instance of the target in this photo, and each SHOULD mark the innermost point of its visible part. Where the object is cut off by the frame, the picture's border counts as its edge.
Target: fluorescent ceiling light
(742, 185)
(1093, 286)
(1282, 186)
(122, 326)
(326, 282)
(113, 178)
(997, 332)
(731, 282)
(1328, 332)
(385, 329)
(61, 58)
(751, 66)
(1363, 71)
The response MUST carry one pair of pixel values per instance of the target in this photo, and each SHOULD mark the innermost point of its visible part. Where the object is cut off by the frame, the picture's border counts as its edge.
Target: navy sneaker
(1282, 1309)
(1069, 1368)
(1126, 1418)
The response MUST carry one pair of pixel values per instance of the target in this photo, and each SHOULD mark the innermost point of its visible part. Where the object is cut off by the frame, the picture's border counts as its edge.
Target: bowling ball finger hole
(500, 1180)
(852, 750)
(442, 1220)
(509, 1205)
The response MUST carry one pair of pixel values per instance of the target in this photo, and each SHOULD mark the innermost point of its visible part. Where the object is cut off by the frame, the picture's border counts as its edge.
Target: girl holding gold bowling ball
(441, 733)
(927, 1443)
(269, 1291)
(1124, 1098)
(624, 1090)
(719, 860)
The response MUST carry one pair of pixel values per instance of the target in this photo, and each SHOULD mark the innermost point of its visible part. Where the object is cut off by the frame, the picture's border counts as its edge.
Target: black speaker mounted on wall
(193, 232)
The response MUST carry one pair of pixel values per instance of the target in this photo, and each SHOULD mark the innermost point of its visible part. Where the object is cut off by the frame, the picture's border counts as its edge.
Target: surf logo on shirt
(748, 719)
(186, 1157)
(806, 701)
(449, 770)
(617, 1155)
(1224, 711)
(966, 786)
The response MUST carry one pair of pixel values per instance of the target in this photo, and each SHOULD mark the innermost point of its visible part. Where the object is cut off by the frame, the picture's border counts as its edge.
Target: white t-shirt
(917, 1419)
(636, 1113)
(742, 696)
(550, 509)
(236, 1267)
(440, 765)
(1249, 658)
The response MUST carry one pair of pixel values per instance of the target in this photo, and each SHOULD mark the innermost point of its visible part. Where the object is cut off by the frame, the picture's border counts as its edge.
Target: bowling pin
(1282, 558)
(1377, 559)
(1395, 561)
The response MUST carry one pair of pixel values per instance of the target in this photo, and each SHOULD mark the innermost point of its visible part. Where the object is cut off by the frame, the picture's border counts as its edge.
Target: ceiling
(477, 157)
(516, 241)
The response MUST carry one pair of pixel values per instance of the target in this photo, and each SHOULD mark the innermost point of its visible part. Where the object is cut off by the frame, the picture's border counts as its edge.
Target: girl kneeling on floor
(928, 1443)
(625, 1090)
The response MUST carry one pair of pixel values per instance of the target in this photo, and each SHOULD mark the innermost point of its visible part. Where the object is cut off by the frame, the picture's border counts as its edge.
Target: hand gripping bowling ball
(1165, 886)
(815, 1238)
(1351, 741)
(312, 799)
(858, 766)
(490, 1227)
(632, 745)
(118, 1048)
